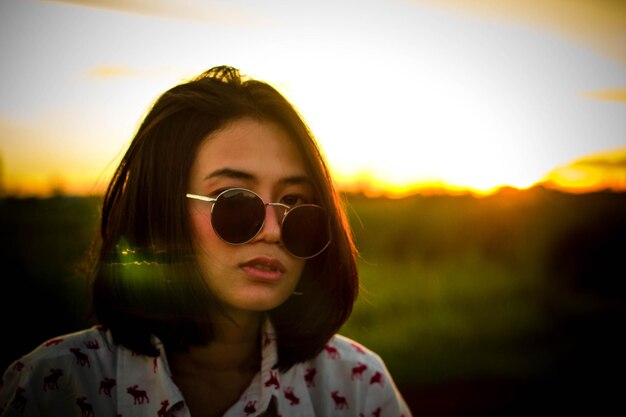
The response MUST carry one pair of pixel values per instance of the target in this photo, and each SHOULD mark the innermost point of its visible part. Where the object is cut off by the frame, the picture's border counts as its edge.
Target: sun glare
(443, 140)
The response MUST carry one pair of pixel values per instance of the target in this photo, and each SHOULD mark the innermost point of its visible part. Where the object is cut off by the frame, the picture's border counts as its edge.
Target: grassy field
(494, 305)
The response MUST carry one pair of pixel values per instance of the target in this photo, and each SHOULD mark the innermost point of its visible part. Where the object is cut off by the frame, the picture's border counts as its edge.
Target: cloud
(611, 160)
(194, 10)
(604, 171)
(599, 24)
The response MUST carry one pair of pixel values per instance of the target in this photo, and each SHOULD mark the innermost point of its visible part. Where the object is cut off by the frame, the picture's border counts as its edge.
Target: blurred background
(480, 148)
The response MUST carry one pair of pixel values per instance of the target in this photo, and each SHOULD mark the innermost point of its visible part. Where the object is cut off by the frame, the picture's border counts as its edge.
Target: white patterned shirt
(85, 374)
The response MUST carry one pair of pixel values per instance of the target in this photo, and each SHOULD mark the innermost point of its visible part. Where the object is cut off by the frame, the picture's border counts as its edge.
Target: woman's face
(259, 156)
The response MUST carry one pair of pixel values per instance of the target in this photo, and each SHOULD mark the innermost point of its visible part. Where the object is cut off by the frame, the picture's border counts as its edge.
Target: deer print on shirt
(53, 342)
(86, 410)
(139, 396)
(357, 371)
(376, 413)
(273, 380)
(340, 402)
(358, 348)
(309, 377)
(92, 344)
(250, 408)
(18, 366)
(332, 351)
(377, 378)
(19, 401)
(293, 400)
(106, 385)
(51, 381)
(161, 412)
(81, 358)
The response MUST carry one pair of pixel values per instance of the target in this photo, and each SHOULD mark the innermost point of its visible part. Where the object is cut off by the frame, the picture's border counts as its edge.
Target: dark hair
(146, 280)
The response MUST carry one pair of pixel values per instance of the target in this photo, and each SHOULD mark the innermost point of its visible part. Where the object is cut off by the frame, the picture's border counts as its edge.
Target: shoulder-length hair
(146, 280)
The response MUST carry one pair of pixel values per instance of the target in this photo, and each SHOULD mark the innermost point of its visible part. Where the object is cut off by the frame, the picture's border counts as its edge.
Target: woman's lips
(263, 268)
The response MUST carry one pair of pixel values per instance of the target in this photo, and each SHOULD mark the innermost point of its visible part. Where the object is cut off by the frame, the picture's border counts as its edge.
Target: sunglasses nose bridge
(280, 210)
(274, 214)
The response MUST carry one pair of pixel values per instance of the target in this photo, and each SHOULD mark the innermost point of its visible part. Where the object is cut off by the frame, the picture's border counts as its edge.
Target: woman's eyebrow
(243, 175)
(296, 180)
(230, 173)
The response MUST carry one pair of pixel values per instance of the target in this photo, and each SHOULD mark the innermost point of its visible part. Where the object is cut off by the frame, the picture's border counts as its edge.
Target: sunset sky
(468, 94)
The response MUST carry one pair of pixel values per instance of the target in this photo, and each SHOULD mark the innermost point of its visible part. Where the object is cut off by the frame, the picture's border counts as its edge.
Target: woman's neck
(213, 376)
(235, 346)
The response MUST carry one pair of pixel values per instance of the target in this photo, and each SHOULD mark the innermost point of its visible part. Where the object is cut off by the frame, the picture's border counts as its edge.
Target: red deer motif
(357, 371)
(333, 353)
(309, 377)
(250, 408)
(293, 400)
(139, 396)
(19, 401)
(377, 378)
(358, 348)
(52, 381)
(92, 344)
(106, 385)
(86, 410)
(340, 402)
(53, 342)
(163, 410)
(81, 358)
(273, 380)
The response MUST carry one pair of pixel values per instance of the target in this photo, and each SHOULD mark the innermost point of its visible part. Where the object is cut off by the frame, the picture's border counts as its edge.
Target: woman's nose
(271, 228)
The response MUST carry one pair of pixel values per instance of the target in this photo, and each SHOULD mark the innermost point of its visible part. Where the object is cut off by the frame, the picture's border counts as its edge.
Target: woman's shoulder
(349, 376)
(343, 349)
(344, 359)
(54, 374)
(80, 348)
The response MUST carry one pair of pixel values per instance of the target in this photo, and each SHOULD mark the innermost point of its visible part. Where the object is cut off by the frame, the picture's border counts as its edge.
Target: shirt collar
(288, 389)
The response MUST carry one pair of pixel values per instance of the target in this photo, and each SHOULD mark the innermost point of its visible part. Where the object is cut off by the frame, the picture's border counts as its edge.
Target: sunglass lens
(305, 231)
(238, 216)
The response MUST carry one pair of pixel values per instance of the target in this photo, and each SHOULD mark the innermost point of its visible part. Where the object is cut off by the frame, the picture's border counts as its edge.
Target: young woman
(224, 269)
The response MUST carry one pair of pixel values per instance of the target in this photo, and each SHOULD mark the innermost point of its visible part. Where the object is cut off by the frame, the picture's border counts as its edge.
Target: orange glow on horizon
(566, 179)
(372, 186)
(54, 186)
(590, 174)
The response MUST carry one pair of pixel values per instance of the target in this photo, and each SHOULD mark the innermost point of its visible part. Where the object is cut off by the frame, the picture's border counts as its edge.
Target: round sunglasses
(238, 215)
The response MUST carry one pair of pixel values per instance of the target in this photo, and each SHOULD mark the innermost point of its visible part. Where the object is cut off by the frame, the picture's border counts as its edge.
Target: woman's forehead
(249, 148)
